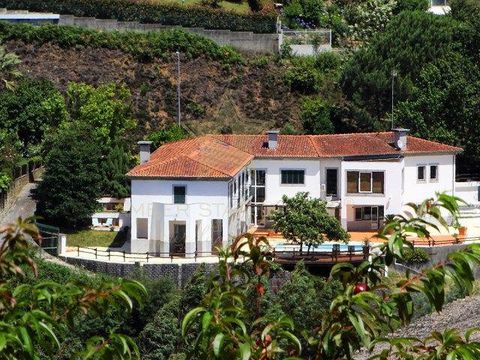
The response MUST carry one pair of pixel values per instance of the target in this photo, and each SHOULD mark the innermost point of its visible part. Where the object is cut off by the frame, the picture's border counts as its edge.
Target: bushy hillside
(221, 89)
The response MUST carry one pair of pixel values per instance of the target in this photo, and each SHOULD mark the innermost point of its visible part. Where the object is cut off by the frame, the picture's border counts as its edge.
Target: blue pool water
(318, 248)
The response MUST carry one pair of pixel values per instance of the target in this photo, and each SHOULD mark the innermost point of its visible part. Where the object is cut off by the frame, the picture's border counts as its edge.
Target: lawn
(241, 8)
(95, 238)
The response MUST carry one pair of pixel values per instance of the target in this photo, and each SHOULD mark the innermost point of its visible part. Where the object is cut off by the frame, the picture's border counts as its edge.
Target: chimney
(400, 138)
(272, 138)
(144, 151)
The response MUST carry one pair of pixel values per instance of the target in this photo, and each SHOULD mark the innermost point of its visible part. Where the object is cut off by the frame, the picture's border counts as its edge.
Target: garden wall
(242, 40)
(180, 274)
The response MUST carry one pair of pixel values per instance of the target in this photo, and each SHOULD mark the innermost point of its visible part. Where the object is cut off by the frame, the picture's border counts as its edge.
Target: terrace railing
(125, 256)
(439, 2)
(352, 254)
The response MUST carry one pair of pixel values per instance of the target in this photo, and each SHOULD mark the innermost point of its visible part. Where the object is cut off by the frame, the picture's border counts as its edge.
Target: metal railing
(146, 256)
(443, 242)
(439, 3)
(336, 255)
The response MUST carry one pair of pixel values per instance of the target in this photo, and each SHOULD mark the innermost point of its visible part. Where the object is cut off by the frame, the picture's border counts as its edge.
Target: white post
(62, 244)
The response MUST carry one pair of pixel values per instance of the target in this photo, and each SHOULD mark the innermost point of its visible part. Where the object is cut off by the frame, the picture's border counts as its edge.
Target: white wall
(417, 191)
(274, 190)
(391, 199)
(468, 192)
(153, 199)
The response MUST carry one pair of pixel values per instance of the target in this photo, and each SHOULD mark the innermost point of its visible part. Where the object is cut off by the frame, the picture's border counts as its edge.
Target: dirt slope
(249, 99)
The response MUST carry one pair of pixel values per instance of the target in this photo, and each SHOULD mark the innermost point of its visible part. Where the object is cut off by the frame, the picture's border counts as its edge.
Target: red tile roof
(222, 156)
(381, 143)
(202, 157)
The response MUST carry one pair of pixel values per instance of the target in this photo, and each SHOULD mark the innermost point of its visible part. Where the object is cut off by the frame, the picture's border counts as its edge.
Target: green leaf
(218, 343)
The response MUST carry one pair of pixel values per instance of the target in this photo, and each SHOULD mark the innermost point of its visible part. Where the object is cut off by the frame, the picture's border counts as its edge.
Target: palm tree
(9, 69)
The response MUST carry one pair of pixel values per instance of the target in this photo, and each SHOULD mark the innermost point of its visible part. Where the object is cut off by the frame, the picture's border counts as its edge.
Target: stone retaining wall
(242, 40)
(180, 274)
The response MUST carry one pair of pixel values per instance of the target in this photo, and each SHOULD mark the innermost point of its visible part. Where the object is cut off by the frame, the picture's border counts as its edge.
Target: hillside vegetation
(220, 87)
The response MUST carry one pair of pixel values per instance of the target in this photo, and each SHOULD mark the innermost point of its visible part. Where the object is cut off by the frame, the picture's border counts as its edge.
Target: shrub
(416, 256)
(316, 116)
(152, 12)
(144, 46)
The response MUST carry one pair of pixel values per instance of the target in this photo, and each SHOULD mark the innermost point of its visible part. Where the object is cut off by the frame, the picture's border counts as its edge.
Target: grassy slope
(241, 8)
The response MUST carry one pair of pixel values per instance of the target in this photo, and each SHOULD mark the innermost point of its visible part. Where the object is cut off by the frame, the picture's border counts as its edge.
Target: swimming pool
(327, 247)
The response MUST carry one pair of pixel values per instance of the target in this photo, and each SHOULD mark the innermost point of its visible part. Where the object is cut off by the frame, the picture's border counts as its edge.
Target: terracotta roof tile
(203, 157)
(222, 156)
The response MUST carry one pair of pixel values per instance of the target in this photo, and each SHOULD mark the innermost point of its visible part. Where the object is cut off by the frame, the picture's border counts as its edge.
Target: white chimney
(144, 151)
(400, 138)
(272, 138)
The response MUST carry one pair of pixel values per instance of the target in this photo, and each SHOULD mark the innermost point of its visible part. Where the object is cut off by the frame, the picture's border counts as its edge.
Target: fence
(124, 256)
(352, 254)
(439, 3)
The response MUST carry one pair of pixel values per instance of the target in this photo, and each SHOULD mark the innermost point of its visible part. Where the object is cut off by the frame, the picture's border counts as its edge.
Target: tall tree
(72, 181)
(116, 164)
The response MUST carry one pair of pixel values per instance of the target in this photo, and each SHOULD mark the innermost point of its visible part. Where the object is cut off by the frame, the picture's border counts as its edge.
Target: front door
(177, 241)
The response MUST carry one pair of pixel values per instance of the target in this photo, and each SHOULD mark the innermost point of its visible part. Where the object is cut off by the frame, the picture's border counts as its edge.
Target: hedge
(148, 12)
(143, 46)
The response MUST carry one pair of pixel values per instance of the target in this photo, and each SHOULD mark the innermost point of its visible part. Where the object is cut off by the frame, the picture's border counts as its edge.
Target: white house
(192, 195)
(113, 214)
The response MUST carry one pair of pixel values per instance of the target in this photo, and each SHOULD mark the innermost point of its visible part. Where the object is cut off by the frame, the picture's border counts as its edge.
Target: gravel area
(461, 314)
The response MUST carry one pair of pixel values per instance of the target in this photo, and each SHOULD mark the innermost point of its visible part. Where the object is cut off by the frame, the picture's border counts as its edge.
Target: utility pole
(394, 75)
(179, 114)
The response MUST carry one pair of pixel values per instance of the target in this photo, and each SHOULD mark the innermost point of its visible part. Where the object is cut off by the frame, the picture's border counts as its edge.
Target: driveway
(24, 206)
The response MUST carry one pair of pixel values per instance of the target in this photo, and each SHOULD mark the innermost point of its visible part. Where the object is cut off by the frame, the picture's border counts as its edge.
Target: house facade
(193, 195)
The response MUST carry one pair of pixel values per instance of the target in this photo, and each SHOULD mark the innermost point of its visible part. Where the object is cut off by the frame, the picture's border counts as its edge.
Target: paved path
(24, 206)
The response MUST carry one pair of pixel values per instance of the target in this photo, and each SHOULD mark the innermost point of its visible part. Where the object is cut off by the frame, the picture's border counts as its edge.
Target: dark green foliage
(71, 184)
(114, 167)
(448, 88)
(412, 5)
(415, 256)
(465, 10)
(304, 13)
(169, 134)
(34, 108)
(255, 5)
(305, 298)
(152, 12)
(144, 46)
(316, 117)
(162, 336)
(303, 77)
(410, 41)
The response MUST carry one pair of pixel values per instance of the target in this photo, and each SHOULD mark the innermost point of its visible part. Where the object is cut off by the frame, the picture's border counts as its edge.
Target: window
(352, 181)
(421, 173)
(230, 194)
(257, 187)
(433, 172)
(293, 177)
(365, 182)
(179, 193)
(367, 213)
(142, 228)
(332, 182)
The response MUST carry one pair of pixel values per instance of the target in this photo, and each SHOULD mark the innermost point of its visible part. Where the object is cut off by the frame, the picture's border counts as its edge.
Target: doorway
(178, 231)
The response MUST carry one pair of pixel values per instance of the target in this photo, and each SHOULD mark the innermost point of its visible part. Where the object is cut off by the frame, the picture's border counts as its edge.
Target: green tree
(34, 316)
(410, 41)
(9, 71)
(32, 110)
(169, 134)
(105, 108)
(114, 167)
(316, 116)
(72, 181)
(305, 220)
